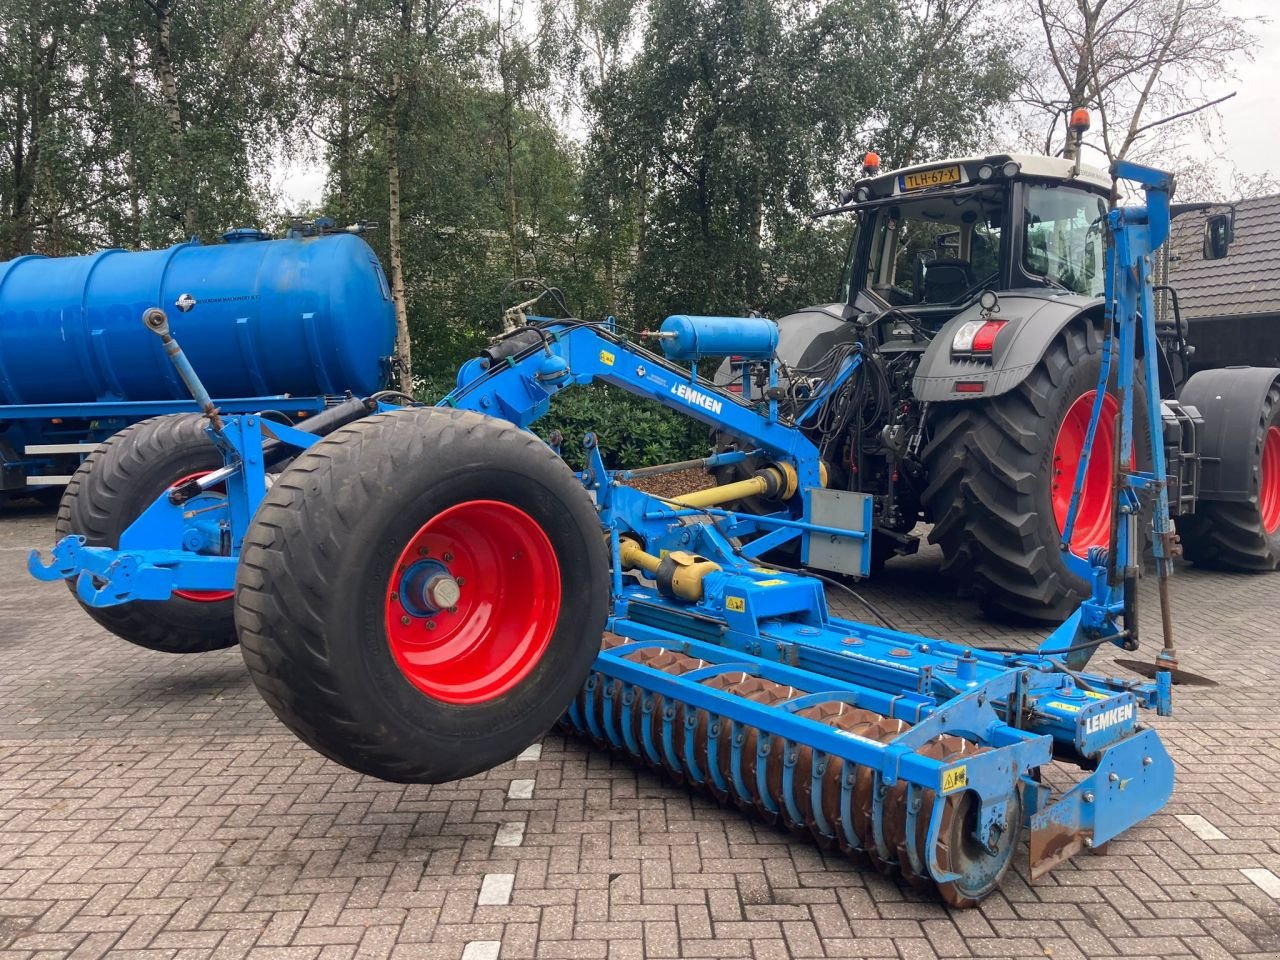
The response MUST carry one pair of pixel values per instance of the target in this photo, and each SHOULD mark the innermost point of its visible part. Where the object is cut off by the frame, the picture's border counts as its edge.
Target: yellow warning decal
(762, 570)
(769, 583)
(1098, 696)
(736, 604)
(1059, 705)
(606, 358)
(957, 778)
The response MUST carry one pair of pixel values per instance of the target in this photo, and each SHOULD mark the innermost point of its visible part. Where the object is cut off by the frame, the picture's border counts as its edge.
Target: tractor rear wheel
(1000, 478)
(422, 593)
(1243, 535)
(111, 488)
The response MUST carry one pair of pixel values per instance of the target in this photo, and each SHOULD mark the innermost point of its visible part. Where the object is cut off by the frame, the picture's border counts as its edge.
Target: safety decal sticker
(957, 778)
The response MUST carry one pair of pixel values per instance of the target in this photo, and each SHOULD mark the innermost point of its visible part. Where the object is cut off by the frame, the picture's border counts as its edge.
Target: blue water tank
(299, 316)
(693, 338)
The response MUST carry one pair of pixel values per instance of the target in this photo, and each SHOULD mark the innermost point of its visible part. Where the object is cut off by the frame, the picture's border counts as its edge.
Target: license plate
(924, 179)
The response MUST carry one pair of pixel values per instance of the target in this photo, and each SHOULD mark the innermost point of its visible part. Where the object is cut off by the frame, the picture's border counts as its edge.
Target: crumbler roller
(422, 591)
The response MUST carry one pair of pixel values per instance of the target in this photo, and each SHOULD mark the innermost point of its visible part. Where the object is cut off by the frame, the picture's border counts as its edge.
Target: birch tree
(387, 55)
(1143, 67)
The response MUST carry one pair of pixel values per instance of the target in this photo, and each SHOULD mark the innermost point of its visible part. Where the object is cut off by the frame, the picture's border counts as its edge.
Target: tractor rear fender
(1032, 321)
(804, 336)
(1230, 401)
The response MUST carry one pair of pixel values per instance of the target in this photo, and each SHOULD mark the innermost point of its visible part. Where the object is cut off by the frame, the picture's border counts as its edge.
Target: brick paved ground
(150, 806)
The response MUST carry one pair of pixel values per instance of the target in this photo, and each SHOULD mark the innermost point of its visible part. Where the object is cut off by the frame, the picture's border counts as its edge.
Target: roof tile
(1244, 283)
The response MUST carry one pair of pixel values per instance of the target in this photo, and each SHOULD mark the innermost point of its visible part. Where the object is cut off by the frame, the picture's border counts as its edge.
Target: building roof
(1246, 282)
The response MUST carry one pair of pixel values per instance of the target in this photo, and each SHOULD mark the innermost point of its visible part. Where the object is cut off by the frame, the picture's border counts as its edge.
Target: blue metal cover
(298, 316)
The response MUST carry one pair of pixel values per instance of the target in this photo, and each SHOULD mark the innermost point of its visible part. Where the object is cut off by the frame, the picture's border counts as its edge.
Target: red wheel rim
(201, 596)
(1093, 515)
(1269, 482)
(473, 601)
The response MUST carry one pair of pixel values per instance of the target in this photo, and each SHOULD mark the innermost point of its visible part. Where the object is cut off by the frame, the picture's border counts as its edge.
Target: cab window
(936, 249)
(1063, 238)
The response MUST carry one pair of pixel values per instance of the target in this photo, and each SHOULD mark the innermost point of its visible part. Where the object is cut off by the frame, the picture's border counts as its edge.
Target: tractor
(974, 293)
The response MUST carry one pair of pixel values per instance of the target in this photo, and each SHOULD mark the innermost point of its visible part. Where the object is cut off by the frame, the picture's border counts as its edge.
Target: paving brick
(152, 806)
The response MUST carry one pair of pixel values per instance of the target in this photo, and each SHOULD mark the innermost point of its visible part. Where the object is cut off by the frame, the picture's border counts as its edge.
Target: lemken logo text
(697, 398)
(1108, 718)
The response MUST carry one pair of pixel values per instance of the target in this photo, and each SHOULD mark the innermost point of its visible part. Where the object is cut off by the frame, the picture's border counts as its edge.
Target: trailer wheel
(1000, 478)
(422, 593)
(111, 488)
(1243, 535)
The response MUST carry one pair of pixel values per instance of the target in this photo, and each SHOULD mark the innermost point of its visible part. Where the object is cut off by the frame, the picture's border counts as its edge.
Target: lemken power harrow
(421, 591)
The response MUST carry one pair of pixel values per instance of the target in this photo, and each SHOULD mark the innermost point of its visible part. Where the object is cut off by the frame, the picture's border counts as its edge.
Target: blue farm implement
(424, 590)
(286, 325)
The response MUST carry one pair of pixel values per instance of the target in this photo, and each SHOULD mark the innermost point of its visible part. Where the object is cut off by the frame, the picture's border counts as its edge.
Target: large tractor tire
(422, 593)
(1000, 478)
(1243, 535)
(111, 488)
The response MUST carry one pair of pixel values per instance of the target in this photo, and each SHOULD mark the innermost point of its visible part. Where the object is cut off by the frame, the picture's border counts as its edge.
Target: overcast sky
(1250, 120)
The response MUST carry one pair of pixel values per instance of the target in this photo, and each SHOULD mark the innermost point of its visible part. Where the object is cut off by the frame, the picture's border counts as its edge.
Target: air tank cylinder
(693, 338)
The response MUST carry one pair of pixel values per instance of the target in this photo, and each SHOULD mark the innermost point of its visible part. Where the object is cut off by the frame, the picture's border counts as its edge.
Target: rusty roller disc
(958, 849)
(861, 723)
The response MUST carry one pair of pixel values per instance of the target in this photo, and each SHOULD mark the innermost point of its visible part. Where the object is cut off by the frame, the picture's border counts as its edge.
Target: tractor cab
(931, 238)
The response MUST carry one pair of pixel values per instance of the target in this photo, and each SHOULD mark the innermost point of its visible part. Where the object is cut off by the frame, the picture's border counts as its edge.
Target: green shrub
(633, 432)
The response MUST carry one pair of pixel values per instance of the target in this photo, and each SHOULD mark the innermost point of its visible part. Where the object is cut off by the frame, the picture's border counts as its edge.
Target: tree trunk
(394, 251)
(173, 111)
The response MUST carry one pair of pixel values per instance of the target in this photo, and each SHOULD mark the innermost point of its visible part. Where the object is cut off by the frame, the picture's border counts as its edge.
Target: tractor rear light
(985, 339)
(1011, 168)
(986, 172)
(734, 388)
(977, 337)
(970, 386)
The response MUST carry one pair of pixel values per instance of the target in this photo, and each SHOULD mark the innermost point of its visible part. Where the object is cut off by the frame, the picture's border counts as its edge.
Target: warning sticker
(1059, 705)
(606, 358)
(769, 583)
(957, 778)
(736, 604)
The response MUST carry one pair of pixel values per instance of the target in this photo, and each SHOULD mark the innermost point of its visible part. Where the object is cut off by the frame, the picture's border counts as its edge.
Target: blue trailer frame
(47, 441)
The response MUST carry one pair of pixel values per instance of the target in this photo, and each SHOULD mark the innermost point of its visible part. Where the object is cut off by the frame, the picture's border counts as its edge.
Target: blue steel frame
(1025, 708)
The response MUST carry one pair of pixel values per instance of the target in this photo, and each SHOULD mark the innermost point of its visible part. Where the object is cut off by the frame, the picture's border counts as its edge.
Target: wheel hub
(473, 602)
(205, 535)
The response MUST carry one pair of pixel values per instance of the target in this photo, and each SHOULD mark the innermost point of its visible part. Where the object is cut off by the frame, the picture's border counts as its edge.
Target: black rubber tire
(1229, 535)
(315, 568)
(111, 488)
(989, 495)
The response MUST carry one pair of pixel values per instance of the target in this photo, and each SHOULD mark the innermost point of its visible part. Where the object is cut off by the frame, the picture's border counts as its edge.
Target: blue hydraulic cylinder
(693, 338)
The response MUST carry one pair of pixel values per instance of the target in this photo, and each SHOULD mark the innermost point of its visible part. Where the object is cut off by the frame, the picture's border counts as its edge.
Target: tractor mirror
(1217, 236)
